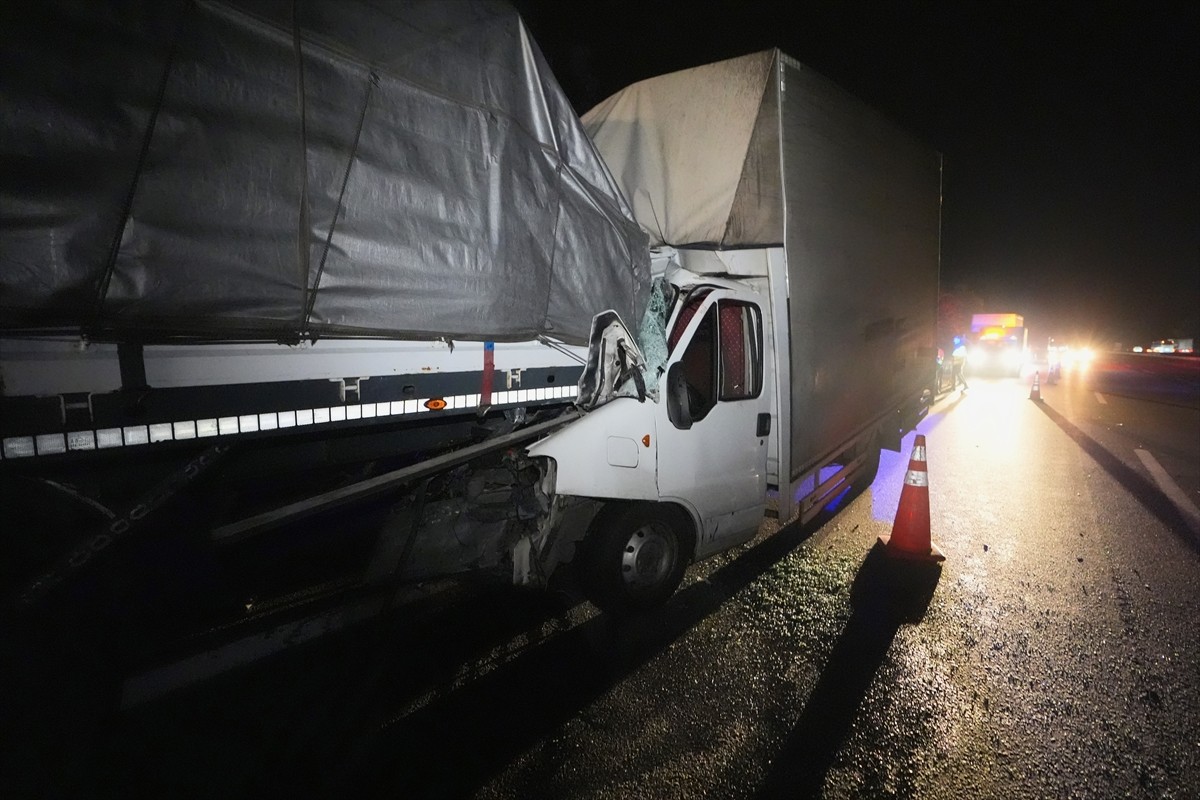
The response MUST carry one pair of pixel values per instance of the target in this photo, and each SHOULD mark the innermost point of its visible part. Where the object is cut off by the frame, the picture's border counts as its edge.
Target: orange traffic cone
(910, 531)
(1036, 392)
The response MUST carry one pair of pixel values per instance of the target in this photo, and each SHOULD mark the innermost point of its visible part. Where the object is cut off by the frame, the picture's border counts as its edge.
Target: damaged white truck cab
(679, 472)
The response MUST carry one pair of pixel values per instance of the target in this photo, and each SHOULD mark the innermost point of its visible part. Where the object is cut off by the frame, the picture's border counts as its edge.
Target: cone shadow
(886, 594)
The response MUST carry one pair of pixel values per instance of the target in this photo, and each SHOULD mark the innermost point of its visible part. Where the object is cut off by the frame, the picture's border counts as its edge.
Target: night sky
(1070, 130)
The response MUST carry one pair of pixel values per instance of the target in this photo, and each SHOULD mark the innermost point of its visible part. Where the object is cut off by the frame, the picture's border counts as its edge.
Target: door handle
(764, 424)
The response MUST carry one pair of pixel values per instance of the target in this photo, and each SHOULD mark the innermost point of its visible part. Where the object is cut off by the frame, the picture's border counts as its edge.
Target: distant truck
(1182, 346)
(999, 344)
(774, 335)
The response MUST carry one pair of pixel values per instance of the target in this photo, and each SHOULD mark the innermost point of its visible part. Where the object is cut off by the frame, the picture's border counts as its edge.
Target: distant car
(1162, 346)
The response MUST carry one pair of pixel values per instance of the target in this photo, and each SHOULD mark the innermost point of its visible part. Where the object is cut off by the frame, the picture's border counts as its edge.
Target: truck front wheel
(634, 557)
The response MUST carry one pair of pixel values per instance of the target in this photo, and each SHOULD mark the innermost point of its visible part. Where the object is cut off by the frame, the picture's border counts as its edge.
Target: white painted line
(1171, 489)
(1100, 399)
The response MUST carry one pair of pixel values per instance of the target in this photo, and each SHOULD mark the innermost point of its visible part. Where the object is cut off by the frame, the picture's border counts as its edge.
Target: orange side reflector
(436, 404)
(646, 440)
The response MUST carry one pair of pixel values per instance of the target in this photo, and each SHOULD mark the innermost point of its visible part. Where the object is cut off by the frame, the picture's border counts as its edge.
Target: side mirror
(679, 407)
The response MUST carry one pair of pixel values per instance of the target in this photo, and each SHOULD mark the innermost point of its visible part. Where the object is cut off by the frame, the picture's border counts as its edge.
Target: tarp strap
(489, 368)
(114, 249)
(372, 82)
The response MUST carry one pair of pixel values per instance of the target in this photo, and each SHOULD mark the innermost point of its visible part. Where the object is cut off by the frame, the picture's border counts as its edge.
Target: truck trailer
(725, 296)
(254, 251)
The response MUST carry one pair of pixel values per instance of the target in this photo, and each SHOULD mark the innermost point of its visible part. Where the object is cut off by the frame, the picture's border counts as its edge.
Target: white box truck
(799, 236)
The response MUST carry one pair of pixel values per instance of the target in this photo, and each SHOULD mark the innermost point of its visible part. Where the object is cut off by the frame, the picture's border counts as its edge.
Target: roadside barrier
(910, 537)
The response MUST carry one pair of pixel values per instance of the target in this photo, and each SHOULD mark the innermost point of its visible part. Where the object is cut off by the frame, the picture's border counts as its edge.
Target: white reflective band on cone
(918, 453)
(917, 478)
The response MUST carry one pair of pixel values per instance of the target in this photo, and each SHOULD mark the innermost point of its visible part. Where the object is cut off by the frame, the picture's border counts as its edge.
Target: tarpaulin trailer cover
(761, 151)
(269, 169)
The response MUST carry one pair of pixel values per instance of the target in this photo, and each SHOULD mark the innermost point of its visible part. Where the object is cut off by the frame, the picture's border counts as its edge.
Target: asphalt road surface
(1056, 653)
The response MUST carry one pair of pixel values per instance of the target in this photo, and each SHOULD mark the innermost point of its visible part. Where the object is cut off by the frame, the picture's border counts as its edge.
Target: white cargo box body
(760, 152)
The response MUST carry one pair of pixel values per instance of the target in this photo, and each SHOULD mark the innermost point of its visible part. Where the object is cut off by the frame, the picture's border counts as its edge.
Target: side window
(723, 360)
(699, 362)
(741, 351)
(691, 304)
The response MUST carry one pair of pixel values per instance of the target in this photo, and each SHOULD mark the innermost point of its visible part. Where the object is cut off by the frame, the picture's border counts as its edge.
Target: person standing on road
(958, 357)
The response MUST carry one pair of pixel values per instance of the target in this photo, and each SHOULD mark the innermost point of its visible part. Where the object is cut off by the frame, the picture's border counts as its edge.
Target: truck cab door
(713, 426)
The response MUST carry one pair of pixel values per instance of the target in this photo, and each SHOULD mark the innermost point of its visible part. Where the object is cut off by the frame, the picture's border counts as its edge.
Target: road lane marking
(1171, 489)
(1100, 399)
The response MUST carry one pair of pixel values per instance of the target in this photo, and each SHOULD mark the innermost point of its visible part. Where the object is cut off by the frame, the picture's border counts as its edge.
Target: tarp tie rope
(127, 208)
(372, 82)
(302, 218)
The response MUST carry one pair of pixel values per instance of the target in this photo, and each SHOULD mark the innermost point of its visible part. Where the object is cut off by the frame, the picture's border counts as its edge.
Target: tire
(634, 557)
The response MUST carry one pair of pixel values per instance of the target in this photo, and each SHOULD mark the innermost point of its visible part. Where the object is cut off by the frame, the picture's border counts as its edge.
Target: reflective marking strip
(19, 447)
(109, 437)
(1100, 399)
(51, 443)
(918, 453)
(917, 477)
(182, 430)
(81, 440)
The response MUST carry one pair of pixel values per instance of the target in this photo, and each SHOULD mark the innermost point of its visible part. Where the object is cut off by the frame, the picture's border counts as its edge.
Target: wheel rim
(648, 556)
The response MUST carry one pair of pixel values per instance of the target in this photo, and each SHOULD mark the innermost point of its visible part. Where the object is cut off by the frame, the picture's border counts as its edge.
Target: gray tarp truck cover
(263, 169)
(760, 151)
